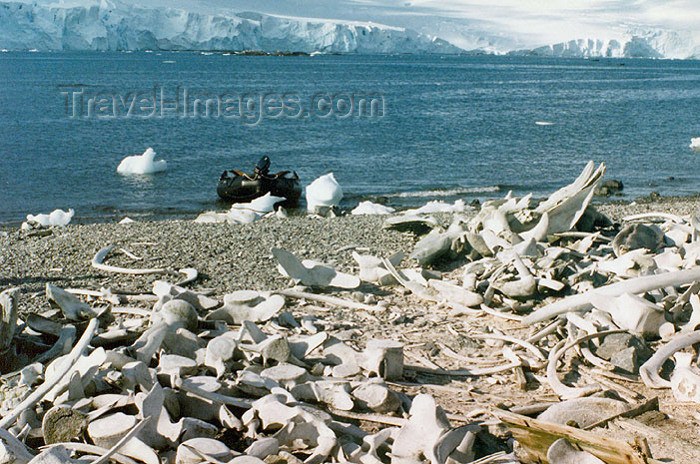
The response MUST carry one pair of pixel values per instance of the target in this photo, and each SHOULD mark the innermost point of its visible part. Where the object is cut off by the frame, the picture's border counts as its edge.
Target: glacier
(635, 42)
(116, 26)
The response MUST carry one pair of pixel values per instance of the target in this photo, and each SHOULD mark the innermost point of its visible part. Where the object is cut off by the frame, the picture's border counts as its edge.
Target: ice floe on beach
(695, 144)
(56, 218)
(323, 194)
(242, 213)
(142, 164)
(367, 207)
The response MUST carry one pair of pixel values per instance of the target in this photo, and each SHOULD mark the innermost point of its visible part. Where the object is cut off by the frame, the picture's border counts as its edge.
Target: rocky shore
(439, 339)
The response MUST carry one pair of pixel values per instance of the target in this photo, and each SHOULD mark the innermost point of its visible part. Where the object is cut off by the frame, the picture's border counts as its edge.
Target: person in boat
(239, 187)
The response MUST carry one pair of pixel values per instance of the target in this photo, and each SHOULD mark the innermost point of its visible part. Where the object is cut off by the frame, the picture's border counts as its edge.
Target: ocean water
(443, 126)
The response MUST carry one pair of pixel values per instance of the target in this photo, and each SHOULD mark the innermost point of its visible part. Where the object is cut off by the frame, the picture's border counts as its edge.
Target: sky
(474, 23)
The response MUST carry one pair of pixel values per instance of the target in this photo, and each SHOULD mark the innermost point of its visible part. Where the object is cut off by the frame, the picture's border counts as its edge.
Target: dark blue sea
(399, 129)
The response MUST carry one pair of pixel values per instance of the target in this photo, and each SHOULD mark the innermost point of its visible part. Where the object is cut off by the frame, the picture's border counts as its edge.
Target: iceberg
(367, 207)
(56, 218)
(323, 194)
(117, 26)
(695, 144)
(142, 164)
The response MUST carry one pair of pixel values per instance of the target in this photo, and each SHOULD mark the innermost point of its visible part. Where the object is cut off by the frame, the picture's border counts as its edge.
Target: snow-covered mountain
(120, 26)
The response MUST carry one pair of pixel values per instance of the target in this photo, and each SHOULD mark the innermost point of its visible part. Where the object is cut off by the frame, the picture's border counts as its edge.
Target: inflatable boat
(239, 187)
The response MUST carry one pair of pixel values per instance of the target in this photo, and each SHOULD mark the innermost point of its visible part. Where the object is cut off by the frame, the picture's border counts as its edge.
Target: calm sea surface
(444, 127)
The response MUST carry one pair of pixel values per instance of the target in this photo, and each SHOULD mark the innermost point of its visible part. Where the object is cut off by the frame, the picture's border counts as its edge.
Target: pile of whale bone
(177, 376)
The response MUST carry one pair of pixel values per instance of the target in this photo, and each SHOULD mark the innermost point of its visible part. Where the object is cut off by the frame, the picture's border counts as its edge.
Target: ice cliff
(636, 42)
(118, 26)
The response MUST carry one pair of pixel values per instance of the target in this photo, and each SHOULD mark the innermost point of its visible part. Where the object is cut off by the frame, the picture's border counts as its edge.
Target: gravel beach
(228, 257)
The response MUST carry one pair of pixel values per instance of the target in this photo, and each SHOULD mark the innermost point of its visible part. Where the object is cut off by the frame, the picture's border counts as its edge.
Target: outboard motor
(263, 166)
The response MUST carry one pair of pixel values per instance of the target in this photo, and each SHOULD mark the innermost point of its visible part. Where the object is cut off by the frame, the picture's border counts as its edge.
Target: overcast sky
(513, 23)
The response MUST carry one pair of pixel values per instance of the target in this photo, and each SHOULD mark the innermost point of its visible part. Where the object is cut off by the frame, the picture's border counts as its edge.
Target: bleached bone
(456, 294)
(694, 316)
(312, 273)
(137, 373)
(418, 289)
(331, 300)
(372, 269)
(72, 308)
(53, 455)
(632, 313)
(564, 391)
(183, 342)
(463, 451)
(8, 317)
(435, 244)
(167, 291)
(506, 338)
(539, 232)
(13, 451)
(420, 435)
(649, 371)
(563, 452)
(65, 366)
(287, 375)
(109, 430)
(642, 216)
(190, 386)
(524, 287)
(685, 380)
(417, 224)
(631, 264)
(174, 314)
(345, 358)
(101, 255)
(203, 450)
(160, 432)
(566, 206)
(145, 456)
(583, 411)
(258, 310)
(462, 437)
(263, 447)
(176, 366)
(372, 443)
(633, 286)
(298, 427)
(85, 367)
(377, 397)
(333, 393)
(636, 236)
(383, 358)
(666, 331)
(220, 351)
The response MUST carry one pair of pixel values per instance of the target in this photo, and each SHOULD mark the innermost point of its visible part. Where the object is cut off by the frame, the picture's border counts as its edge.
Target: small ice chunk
(436, 206)
(367, 207)
(142, 164)
(544, 123)
(695, 144)
(323, 194)
(126, 220)
(57, 218)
